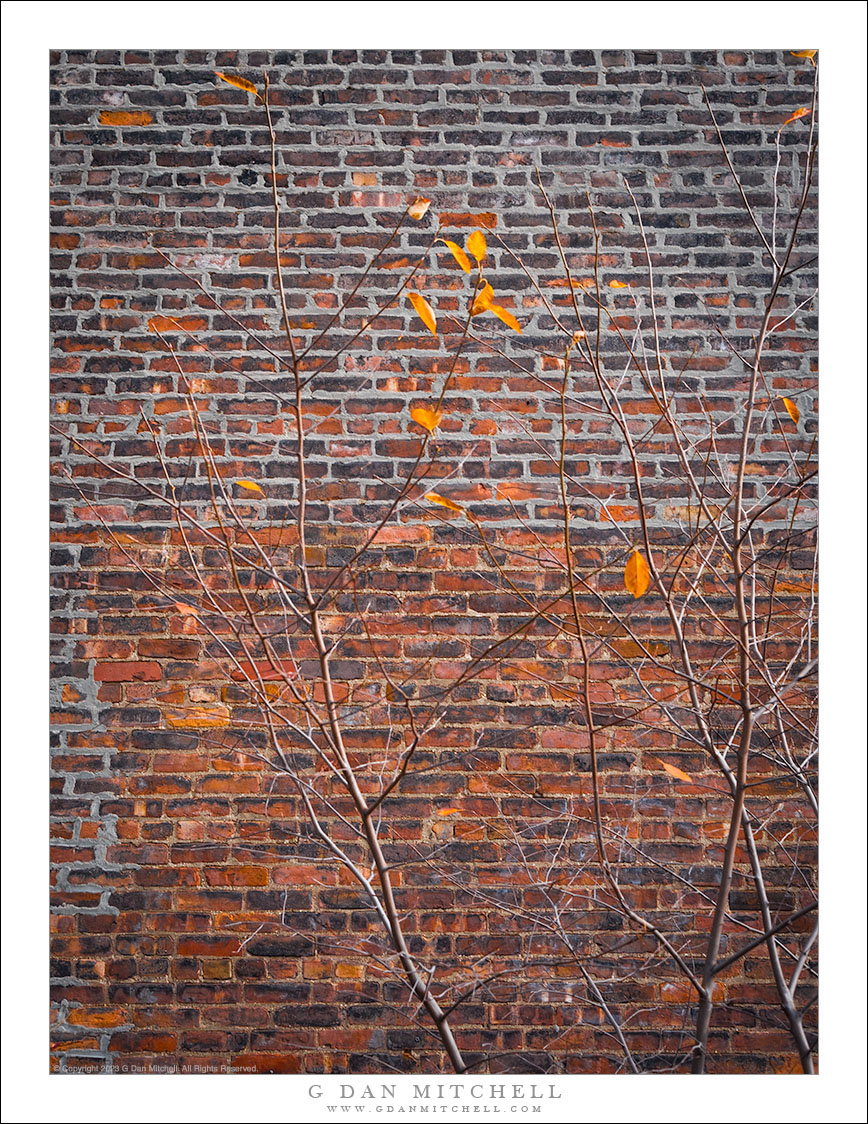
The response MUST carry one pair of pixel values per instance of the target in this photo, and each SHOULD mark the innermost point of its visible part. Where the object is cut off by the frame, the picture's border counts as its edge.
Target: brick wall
(169, 849)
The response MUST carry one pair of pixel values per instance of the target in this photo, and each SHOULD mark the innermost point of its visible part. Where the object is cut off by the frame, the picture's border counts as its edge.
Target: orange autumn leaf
(678, 774)
(424, 311)
(458, 254)
(505, 315)
(618, 285)
(241, 83)
(805, 55)
(433, 497)
(250, 485)
(636, 574)
(418, 209)
(186, 610)
(792, 409)
(803, 112)
(482, 300)
(448, 811)
(477, 245)
(428, 419)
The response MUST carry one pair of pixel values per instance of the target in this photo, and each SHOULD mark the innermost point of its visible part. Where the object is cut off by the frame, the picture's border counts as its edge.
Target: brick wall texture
(195, 921)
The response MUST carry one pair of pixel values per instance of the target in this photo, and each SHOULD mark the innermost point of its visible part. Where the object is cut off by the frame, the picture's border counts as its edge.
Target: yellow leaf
(250, 485)
(482, 301)
(676, 773)
(432, 497)
(425, 311)
(458, 254)
(477, 245)
(428, 419)
(618, 285)
(636, 574)
(418, 209)
(505, 315)
(792, 409)
(805, 55)
(803, 112)
(241, 83)
(186, 610)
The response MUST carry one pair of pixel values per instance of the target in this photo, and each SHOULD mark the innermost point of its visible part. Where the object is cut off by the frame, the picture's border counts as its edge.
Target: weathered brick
(194, 914)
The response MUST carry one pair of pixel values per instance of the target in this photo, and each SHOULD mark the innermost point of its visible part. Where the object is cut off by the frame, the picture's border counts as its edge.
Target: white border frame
(29, 31)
